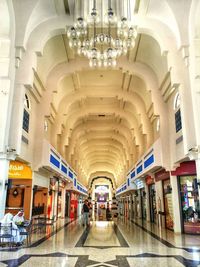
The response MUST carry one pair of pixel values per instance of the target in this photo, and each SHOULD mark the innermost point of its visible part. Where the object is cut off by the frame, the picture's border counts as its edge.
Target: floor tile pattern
(105, 244)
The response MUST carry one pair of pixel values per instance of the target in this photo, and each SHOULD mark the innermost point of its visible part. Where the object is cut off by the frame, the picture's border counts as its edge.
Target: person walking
(85, 212)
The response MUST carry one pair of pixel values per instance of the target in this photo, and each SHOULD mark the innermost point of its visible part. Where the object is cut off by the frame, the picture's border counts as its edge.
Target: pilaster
(176, 204)
(4, 167)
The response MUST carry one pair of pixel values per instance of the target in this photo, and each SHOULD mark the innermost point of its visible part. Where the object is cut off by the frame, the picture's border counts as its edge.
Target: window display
(153, 209)
(168, 204)
(189, 192)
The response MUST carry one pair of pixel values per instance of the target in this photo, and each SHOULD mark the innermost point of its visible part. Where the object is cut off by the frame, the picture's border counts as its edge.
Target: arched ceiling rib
(100, 134)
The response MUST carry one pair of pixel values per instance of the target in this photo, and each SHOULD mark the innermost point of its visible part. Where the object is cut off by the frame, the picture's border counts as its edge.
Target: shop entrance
(73, 205)
(143, 203)
(67, 202)
(40, 196)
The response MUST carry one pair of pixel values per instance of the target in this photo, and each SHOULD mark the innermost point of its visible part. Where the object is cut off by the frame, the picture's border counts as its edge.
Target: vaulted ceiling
(101, 120)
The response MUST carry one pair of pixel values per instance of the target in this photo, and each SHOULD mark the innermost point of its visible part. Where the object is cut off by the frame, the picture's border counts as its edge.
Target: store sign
(19, 170)
(149, 180)
(162, 175)
(186, 168)
(139, 183)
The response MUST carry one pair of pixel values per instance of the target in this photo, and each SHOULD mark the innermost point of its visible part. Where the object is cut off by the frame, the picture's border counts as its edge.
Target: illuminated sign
(19, 170)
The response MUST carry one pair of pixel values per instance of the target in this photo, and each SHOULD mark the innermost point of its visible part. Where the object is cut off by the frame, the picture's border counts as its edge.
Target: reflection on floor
(121, 243)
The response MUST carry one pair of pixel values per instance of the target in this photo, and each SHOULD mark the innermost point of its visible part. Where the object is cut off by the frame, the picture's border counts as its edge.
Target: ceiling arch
(101, 177)
(100, 134)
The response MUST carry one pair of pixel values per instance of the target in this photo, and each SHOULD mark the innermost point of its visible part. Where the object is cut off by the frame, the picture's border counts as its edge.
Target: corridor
(99, 117)
(115, 243)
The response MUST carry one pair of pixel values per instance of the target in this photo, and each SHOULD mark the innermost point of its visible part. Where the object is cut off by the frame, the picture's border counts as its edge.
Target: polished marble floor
(116, 243)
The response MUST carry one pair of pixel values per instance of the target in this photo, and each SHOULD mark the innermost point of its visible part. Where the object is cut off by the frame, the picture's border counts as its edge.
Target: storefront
(136, 205)
(67, 204)
(129, 207)
(40, 194)
(164, 177)
(152, 199)
(141, 199)
(61, 199)
(73, 205)
(19, 192)
(52, 202)
(114, 207)
(189, 197)
(143, 204)
(132, 206)
(126, 203)
(120, 207)
(167, 193)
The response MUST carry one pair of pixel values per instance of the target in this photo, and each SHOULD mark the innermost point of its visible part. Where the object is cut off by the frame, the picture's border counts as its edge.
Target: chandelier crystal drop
(104, 34)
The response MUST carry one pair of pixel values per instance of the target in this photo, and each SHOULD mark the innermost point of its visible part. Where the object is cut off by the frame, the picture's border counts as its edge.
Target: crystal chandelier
(102, 37)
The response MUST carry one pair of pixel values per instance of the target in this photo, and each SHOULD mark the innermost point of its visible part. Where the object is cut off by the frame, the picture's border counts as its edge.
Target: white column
(147, 202)
(198, 167)
(6, 149)
(194, 68)
(17, 118)
(4, 166)
(176, 204)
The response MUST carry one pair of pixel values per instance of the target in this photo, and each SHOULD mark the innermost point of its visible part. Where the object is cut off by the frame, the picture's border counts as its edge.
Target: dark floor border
(40, 241)
(84, 261)
(83, 237)
(163, 241)
(120, 237)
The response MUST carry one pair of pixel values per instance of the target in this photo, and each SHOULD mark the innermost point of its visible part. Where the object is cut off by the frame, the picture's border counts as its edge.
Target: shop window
(167, 192)
(189, 194)
(152, 200)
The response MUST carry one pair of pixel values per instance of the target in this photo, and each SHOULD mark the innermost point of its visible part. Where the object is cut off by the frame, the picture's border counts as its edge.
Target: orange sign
(19, 170)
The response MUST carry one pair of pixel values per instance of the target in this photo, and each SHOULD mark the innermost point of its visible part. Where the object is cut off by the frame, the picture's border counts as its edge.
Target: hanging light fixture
(103, 36)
